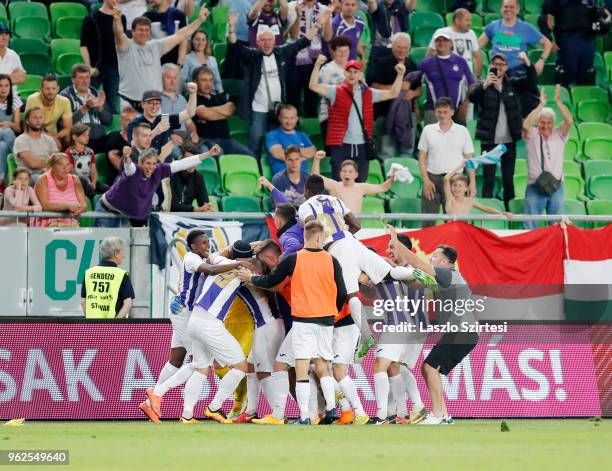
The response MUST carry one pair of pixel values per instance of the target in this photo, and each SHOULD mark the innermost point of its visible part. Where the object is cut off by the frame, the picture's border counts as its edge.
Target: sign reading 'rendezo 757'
(43, 276)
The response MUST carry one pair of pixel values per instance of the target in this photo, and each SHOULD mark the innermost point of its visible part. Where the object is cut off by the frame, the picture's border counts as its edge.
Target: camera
(493, 70)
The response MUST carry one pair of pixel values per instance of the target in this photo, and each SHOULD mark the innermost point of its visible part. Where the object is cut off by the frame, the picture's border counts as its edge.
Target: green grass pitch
(573, 444)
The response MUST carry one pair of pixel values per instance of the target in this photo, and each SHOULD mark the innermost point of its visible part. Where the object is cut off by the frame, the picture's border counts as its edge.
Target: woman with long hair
(9, 122)
(200, 55)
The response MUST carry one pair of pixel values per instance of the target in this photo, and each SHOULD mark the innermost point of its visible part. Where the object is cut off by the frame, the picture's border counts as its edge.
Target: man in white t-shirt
(441, 148)
(465, 42)
(10, 63)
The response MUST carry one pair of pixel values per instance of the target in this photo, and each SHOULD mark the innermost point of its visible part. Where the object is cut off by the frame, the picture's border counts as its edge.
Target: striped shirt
(411, 302)
(217, 292)
(329, 211)
(190, 279)
(55, 195)
(257, 303)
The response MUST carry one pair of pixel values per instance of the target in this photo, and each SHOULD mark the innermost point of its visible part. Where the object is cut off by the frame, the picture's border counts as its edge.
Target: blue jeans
(229, 146)
(108, 222)
(109, 79)
(536, 202)
(7, 139)
(257, 131)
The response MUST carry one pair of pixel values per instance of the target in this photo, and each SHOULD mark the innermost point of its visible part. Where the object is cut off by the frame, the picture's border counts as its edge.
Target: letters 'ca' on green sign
(53, 261)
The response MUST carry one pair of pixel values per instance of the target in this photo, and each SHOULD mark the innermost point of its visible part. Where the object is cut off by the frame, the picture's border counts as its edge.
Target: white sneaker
(432, 420)
(448, 421)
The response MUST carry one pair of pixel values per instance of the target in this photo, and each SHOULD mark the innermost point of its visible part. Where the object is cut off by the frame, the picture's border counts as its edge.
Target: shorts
(210, 340)
(267, 340)
(180, 333)
(450, 350)
(402, 348)
(344, 344)
(312, 341)
(285, 351)
(355, 258)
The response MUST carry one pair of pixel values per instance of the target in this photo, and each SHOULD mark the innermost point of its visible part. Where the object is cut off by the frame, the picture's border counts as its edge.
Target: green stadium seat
(11, 165)
(600, 186)
(573, 146)
(586, 130)
(95, 7)
(366, 36)
(64, 46)
(489, 17)
(240, 136)
(209, 171)
(593, 110)
(375, 175)
(317, 140)
(266, 169)
(115, 124)
(593, 168)
(220, 51)
(214, 203)
(31, 84)
(87, 222)
(608, 63)
(492, 203)
(59, 10)
(597, 148)
(64, 81)
(65, 62)
(575, 207)
(571, 168)
(36, 63)
(103, 166)
(421, 35)
(21, 45)
(599, 208)
(243, 204)
(520, 184)
(532, 19)
(239, 174)
(310, 126)
(267, 204)
(437, 6)
(532, 6)
(492, 6)
(587, 92)
(234, 88)
(520, 167)
(68, 27)
(324, 166)
(4, 15)
(220, 14)
(573, 185)
(37, 28)
(600, 71)
(27, 10)
(236, 123)
(406, 206)
(417, 54)
(220, 33)
(516, 206)
(425, 18)
(565, 95)
(372, 205)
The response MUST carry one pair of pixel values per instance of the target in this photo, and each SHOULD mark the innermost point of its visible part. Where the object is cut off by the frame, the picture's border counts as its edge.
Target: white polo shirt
(445, 150)
(9, 63)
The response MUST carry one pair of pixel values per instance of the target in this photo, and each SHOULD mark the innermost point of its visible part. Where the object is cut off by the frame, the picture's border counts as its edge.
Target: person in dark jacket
(187, 186)
(499, 122)
(266, 75)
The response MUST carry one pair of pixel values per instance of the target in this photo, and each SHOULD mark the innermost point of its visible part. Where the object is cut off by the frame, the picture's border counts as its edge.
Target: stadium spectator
(265, 85)
(303, 14)
(456, 186)
(132, 193)
(139, 58)
(381, 75)
(442, 147)
(54, 108)
(186, 6)
(347, 190)
(117, 140)
(347, 24)
(332, 74)
(545, 147)
(289, 181)
(187, 187)
(575, 38)
(10, 122)
(278, 140)
(88, 105)
(172, 102)
(99, 52)
(389, 17)
(107, 292)
(212, 113)
(142, 138)
(351, 114)
(165, 21)
(263, 16)
(33, 148)
(465, 42)
(453, 346)
(201, 54)
(499, 122)
(511, 36)
(446, 75)
(83, 160)
(162, 124)
(19, 196)
(58, 190)
(290, 233)
(10, 63)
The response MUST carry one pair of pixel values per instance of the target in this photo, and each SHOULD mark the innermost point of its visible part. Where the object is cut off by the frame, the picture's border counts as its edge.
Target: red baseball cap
(352, 65)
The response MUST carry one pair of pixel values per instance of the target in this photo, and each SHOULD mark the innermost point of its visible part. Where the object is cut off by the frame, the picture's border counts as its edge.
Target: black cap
(151, 95)
(4, 29)
(242, 249)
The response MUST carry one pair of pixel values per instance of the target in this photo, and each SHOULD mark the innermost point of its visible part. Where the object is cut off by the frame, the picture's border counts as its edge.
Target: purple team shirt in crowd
(353, 32)
(456, 72)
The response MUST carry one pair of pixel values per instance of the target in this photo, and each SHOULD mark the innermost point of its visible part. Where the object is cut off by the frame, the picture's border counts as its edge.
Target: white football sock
(391, 406)
(166, 372)
(381, 391)
(192, 391)
(329, 393)
(302, 391)
(411, 387)
(227, 386)
(178, 378)
(343, 403)
(266, 384)
(350, 391)
(252, 393)
(398, 391)
(364, 328)
(279, 390)
(313, 402)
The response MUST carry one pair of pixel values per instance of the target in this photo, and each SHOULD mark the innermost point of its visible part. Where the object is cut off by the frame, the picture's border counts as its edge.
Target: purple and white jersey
(265, 22)
(408, 303)
(217, 292)
(329, 211)
(353, 32)
(456, 72)
(257, 305)
(190, 279)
